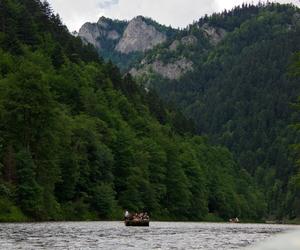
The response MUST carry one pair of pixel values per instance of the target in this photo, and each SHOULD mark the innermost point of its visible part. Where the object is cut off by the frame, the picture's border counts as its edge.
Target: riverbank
(11, 213)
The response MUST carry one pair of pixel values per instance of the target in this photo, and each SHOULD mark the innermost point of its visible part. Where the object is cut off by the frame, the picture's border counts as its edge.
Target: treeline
(241, 94)
(293, 187)
(80, 141)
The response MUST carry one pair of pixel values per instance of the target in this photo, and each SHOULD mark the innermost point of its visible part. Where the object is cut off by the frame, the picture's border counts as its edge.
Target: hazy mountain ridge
(126, 44)
(116, 39)
(104, 30)
(178, 56)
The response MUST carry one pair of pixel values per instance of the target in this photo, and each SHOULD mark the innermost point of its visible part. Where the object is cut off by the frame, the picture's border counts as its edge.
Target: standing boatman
(126, 215)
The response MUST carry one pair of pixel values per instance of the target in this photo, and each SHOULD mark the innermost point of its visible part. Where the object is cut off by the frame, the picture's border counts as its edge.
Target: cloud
(177, 13)
(107, 3)
(228, 4)
(75, 13)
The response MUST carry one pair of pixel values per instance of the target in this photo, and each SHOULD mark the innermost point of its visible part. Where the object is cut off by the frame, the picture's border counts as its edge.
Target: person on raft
(127, 215)
(136, 216)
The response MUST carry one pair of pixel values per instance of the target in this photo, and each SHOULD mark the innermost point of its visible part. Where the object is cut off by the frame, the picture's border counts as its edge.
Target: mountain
(181, 55)
(230, 74)
(102, 32)
(239, 92)
(124, 42)
(81, 141)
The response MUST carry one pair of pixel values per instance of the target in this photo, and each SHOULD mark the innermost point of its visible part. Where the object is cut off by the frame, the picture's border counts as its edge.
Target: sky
(177, 13)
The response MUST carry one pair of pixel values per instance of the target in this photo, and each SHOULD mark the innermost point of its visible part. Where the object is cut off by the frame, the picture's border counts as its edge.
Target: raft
(137, 223)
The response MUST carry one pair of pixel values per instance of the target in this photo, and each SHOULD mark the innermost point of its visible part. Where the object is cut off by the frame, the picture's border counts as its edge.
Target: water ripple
(114, 235)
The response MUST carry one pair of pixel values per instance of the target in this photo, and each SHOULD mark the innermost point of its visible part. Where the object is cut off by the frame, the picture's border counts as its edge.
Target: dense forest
(243, 94)
(80, 141)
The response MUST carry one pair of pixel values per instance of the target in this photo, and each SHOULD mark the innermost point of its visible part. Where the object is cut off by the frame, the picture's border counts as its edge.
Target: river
(114, 235)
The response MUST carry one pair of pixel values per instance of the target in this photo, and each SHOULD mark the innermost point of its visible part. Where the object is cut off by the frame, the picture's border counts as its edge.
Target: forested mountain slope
(239, 91)
(80, 141)
(230, 73)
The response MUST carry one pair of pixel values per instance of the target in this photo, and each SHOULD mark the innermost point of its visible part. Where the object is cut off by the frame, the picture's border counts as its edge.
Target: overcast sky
(177, 13)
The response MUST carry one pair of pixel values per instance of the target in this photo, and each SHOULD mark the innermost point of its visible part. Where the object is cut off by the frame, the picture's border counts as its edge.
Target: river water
(114, 235)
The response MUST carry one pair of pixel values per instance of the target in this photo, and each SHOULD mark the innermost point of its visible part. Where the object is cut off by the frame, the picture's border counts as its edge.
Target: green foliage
(292, 199)
(79, 141)
(239, 95)
(104, 200)
(9, 212)
(29, 193)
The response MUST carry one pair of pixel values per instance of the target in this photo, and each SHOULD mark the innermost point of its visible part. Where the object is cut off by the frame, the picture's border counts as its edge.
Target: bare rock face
(174, 45)
(215, 35)
(171, 71)
(185, 41)
(139, 36)
(189, 40)
(90, 33)
(125, 37)
(113, 35)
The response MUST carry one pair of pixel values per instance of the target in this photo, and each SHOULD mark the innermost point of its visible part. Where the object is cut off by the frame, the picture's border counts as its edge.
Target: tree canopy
(240, 92)
(80, 141)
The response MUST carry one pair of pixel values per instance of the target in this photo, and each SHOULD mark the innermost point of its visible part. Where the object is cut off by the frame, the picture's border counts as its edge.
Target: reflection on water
(114, 235)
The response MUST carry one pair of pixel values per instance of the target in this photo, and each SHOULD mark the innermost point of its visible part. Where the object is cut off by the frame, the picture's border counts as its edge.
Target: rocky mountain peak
(89, 33)
(127, 37)
(103, 22)
(103, 19)
(139, 36)
(215, 35)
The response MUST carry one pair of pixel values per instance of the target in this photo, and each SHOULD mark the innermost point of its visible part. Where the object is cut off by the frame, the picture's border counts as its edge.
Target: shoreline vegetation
(296, 222)
(18, 217)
